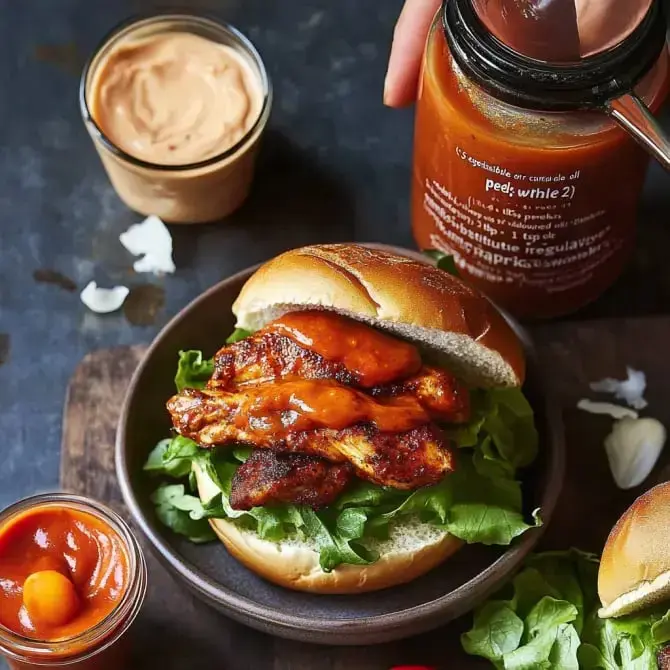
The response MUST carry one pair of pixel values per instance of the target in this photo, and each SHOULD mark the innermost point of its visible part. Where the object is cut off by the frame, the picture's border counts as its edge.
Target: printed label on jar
(537, 230)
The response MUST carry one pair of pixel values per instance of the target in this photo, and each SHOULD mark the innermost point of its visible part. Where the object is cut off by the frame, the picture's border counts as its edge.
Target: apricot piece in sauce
(50, 598)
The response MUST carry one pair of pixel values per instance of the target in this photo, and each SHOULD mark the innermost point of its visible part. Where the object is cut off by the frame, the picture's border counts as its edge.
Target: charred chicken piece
(270, 478)
(404, 459)
(443, 396)
(267, 356)
(317, 343)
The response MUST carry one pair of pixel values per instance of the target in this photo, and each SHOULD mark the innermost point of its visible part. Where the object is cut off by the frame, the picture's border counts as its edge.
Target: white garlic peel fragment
(630, 390)
(104, 300)
(615, 411)
(152, 240)
(633, 447)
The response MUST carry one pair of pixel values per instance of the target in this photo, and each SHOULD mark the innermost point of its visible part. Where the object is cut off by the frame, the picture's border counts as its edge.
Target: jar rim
(125, 28)
(115, 623)
(534, 84)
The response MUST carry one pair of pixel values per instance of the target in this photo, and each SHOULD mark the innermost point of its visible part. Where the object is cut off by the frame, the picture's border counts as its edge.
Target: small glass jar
(101, 647)
(200, 192)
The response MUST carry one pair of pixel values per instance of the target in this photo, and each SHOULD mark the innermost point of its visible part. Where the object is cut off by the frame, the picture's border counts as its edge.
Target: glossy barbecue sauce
(62, 571)
(373, 357)
(290, 406)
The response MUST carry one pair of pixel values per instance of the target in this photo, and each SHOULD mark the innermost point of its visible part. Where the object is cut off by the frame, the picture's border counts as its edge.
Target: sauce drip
(82, 548)
(374, 358)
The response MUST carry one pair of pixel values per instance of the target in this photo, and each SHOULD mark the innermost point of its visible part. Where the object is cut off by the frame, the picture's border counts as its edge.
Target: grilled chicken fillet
(269, 478)
(267, 355)
(405, 459)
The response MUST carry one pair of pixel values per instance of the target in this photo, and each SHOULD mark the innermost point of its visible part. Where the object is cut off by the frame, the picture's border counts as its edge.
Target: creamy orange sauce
(291, 406)
(373, 357)
(175, 98)
(62, 571)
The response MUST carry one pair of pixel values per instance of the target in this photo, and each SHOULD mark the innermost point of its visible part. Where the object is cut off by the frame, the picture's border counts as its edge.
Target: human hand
(409, 40)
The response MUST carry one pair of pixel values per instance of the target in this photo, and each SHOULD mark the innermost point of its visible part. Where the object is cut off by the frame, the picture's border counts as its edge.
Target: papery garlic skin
(150, 239)
(104, 300)
(608, 408)
(632, 448)
(630, 390)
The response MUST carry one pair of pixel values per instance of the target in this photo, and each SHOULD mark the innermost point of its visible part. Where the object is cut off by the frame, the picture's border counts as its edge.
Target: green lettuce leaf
(172, 457)
(660, 629)
(555, 600)
(237, 335)
(497, 631)
(443, 261)
(182, 513)
(193, 371)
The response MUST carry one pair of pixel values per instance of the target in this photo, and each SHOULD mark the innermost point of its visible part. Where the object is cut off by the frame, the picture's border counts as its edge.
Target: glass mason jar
(521, 171)
(204, 191)
(102, 646)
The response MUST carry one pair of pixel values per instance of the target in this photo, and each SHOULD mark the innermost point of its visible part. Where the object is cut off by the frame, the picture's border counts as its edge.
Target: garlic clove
(632, 448)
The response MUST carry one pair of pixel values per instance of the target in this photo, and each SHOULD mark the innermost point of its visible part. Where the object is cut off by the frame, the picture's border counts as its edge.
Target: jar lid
(561, 30)
(555, 73)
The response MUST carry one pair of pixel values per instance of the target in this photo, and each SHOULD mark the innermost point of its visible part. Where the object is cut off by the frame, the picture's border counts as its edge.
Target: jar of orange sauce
(72, 581)
(527, 171)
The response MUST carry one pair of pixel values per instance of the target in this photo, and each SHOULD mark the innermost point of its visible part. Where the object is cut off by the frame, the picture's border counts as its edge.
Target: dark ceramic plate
(445, 593)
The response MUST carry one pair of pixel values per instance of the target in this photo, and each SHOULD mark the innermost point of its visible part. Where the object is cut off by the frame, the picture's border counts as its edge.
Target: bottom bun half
(412, 549)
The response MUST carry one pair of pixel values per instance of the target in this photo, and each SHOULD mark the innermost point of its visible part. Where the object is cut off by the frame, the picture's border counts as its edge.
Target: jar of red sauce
(522, 169)
(72, 580)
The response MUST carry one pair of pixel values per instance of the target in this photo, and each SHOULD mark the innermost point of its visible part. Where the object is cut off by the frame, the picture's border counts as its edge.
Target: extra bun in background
(635, 565)
(413, 300)
(413, 549)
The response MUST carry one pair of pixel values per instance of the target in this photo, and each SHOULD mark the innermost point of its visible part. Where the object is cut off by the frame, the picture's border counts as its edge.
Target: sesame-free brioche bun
(635, 565)
(412, 549)
(452, 322)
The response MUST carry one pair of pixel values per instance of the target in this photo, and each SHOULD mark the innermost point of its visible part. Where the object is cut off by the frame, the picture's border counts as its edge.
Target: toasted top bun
(451, 321)
(412, 549)
(635, 566)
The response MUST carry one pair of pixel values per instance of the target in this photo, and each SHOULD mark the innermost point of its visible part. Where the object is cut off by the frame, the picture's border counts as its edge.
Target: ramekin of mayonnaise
(176, 105)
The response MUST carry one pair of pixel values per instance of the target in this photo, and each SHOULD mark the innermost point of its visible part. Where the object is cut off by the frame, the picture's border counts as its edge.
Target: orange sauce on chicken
(290, 406)
(373, 357)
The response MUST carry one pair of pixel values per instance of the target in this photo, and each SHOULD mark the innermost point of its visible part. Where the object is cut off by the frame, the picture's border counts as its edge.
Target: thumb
(409, 39)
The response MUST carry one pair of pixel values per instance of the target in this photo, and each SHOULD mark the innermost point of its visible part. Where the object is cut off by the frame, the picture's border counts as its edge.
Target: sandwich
(364, 421)
(568, 609)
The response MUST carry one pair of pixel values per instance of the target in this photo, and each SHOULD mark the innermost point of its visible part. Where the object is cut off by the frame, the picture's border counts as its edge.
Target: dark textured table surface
(335, 166)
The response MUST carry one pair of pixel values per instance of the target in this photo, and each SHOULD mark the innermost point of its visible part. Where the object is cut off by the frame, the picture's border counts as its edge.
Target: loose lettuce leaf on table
(552, 622)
